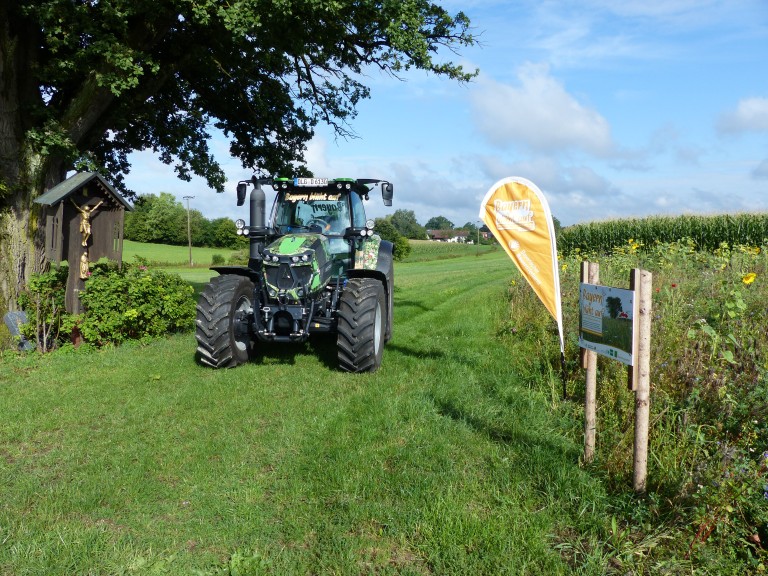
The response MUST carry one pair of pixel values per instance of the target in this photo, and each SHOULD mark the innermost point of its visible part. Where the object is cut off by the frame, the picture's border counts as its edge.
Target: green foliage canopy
(384, 228)
(84, 83)
(98, 80)
(439, 223)
(406, 224)
(163, 220)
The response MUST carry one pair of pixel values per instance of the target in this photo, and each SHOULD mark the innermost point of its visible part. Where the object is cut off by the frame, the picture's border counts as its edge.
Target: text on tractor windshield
(293, 197)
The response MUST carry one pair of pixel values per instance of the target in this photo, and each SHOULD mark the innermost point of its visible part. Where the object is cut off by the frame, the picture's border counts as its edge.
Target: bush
(217, 259)
(402, 248)
(387, 231)
(239, 258)
(43, 302)
(133, 303)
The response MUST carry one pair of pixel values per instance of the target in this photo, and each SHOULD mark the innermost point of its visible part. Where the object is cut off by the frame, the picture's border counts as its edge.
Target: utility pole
(189, 230)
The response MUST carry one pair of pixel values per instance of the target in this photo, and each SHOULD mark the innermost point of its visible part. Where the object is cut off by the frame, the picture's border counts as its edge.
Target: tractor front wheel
(362, 319)
(224, 313)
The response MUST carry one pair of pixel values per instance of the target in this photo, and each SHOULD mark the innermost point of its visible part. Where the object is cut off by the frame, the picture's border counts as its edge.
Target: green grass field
(136, 460)
(460, 456)
(168, 255)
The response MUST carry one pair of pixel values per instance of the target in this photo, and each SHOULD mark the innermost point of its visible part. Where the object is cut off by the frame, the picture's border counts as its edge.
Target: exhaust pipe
(258, 230)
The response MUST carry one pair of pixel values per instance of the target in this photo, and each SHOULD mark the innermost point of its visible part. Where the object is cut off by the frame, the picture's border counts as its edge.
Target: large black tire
(362, 320)
(223, 341)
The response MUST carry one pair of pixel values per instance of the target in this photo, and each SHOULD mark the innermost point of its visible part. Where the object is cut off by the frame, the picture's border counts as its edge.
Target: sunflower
(748, 278)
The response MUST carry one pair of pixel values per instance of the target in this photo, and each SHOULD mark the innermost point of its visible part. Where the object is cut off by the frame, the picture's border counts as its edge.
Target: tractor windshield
(312, 211)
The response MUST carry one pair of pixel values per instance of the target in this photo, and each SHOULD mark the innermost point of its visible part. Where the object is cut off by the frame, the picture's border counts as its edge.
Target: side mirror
(242, 188)
(386, 193)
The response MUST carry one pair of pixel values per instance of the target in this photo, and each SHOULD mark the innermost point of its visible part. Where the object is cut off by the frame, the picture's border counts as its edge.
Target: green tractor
(315, 267)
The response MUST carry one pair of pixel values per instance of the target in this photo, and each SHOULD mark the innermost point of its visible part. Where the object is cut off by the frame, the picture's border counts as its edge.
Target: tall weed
(708, 469)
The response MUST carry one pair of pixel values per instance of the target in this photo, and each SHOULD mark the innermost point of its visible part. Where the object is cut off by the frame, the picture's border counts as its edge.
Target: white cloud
(538, 114)
(750, 115)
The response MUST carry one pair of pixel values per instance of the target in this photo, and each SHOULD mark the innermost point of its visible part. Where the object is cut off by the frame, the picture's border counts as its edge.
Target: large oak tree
(85, 82)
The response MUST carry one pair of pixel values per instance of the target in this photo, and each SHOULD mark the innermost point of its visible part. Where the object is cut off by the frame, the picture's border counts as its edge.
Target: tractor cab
(333, 208)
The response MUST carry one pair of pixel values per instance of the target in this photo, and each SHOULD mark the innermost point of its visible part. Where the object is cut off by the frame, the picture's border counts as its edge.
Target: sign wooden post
(590, 273)
(641, 282)
(616, 323)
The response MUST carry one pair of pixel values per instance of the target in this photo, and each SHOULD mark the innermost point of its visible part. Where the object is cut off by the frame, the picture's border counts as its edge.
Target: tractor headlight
(305, 257)
(275, 259)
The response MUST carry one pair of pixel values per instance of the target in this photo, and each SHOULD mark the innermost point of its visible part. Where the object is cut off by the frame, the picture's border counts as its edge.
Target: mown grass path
(137, 460)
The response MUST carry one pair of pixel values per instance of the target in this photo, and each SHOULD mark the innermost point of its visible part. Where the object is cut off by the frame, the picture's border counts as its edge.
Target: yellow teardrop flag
(517, 213)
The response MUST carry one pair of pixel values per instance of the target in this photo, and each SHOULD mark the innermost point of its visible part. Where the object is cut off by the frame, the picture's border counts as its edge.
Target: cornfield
(706, 232)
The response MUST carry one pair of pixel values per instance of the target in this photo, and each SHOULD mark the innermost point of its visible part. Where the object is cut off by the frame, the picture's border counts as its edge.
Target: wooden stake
(590, 271)
(643, 294)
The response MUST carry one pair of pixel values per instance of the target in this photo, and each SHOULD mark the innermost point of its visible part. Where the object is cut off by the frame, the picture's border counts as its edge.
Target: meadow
(169, 256)
(136, 460)
(462, 455)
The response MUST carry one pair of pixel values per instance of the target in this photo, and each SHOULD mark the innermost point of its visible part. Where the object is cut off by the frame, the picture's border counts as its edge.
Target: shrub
(402, 248)
(217, 259)
(133, 303)
(387, 231)
(43, 302)
(239, 258)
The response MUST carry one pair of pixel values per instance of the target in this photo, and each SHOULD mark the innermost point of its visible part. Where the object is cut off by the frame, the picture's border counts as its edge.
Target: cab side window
(358, 210)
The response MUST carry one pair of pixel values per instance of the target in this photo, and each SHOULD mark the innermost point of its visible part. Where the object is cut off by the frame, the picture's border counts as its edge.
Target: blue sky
(613, 109)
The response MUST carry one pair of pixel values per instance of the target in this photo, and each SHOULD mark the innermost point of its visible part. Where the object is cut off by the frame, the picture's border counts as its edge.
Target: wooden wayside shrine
(84, 218)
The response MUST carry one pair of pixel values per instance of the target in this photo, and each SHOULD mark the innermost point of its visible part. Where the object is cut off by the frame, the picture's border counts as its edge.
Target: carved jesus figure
(84, 265)
(85, 219)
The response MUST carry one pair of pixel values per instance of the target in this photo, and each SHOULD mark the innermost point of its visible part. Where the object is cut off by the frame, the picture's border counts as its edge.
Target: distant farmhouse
(448, 235)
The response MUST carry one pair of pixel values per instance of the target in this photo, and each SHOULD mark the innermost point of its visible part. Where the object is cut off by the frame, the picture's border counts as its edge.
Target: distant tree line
(163, 220)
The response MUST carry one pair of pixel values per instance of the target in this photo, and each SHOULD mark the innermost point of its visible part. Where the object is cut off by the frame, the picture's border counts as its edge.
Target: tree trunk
(22, 232)
(24, 172)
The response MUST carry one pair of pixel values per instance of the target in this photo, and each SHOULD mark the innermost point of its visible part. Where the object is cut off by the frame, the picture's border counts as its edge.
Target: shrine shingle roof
(74, 183)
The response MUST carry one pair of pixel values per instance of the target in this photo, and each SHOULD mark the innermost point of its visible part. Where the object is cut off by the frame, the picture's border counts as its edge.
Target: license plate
(303, 182)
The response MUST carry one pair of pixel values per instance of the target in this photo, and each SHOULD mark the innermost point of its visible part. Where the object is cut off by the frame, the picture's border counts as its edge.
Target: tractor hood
(297, 266)
(299, 244)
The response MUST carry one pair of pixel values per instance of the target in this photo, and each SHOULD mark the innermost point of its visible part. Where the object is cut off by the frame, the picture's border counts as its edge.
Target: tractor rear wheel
(362, 320)
(222, 328)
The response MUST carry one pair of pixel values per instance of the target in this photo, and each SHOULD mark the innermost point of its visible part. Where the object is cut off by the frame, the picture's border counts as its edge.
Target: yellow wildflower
(748, 278)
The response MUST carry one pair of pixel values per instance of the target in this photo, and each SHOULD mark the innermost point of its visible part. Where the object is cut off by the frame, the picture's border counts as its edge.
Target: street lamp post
(189, 230)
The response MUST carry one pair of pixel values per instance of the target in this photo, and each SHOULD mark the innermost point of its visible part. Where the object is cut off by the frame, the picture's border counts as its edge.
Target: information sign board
(607, 321)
